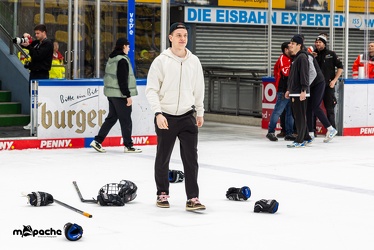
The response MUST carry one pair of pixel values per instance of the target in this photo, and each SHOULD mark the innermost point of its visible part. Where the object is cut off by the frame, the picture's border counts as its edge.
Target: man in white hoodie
(175, 91)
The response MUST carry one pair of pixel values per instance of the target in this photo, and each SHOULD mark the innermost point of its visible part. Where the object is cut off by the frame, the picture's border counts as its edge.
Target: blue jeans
(281, 104)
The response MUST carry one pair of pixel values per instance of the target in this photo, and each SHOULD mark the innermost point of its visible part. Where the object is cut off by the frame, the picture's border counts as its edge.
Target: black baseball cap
(297, 39)
(122, 41)
(177, 25)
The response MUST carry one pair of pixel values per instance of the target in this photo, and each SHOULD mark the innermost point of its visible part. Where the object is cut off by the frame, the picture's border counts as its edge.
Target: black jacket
(41, 55)
(327, 61)
(298, 80)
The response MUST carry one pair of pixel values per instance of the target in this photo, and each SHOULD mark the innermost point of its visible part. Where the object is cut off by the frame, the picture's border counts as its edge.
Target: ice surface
(325, 194)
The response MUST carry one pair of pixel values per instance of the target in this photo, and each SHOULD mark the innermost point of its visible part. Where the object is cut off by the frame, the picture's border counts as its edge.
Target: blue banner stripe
(82, 82)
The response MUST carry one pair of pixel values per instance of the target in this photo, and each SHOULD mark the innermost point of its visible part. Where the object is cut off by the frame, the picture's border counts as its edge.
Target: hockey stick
(24, 194)
(80, 194)
(73, 208)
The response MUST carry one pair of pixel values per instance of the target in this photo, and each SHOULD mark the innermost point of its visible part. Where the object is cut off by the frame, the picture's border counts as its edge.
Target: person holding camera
(41, 52)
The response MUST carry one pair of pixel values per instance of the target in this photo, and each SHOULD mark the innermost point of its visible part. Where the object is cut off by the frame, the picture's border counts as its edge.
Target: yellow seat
(27, 3)
(139, 25)
(158, 27)
(121, 35)
(79, 37)
(147, 25)
(63, 4)
(48, 18)
(110, 21)
(122, 22)
(106, 7)
(106, 37)
(88, 56)
(61, 36)
(50, 4)
(157, 42)
(62, 19)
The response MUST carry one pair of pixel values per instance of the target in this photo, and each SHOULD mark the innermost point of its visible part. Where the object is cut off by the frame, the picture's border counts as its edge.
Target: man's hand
(129, 101)
(287, 95)
(27, 43)
(303, 96)
(332, 83)
(199, 121)
(162, 122)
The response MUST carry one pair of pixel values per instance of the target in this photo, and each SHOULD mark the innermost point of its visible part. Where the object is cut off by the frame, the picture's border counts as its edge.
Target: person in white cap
(332, 68)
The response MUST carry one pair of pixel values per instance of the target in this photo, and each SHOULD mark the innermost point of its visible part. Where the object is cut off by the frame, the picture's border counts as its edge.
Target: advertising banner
(269, 95)
(358, 111)
(269, 98)
(71, 112)
(78, 109)
(242, 16)
(279, 4)
(358, 6)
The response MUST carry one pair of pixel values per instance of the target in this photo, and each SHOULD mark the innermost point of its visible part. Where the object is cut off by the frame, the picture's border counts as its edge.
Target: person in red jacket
(361, 60)
(281, 71)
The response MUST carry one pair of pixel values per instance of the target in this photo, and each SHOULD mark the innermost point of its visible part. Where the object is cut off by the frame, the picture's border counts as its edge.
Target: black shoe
(132, 150)
(97, 146)
(281, 134)
(271, 137)
(289, 138)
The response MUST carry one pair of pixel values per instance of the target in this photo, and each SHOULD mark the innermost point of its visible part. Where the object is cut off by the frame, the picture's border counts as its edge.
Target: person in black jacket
(317, 89)
(298, 89)
(332, 68)
(119, 88)
(41, 53)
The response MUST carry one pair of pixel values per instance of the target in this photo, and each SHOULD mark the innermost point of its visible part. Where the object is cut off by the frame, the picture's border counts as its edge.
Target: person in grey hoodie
(119, 87)
(175, 92)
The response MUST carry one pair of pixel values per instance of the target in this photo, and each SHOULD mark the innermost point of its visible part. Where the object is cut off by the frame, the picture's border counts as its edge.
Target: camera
(19, 40)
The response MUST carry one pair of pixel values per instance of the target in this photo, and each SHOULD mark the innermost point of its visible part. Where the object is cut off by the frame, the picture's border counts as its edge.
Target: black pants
(299, 113)
(314, 107)
(117, 111)
(329, 101)
(185, 129)
(36, 75)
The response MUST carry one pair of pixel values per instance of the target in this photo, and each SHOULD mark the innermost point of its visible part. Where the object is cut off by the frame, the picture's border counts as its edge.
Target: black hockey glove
(269, 206)
(38, 199)
(176, 176)
(104, 199)
(238, 194)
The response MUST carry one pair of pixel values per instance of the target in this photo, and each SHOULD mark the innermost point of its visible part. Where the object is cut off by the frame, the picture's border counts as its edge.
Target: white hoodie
(176, 85)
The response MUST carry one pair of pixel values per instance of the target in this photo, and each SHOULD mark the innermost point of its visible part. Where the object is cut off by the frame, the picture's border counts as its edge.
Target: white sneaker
(97, 146)
(330, 135)
(132, 150)
(296, 145)
(27, 127)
